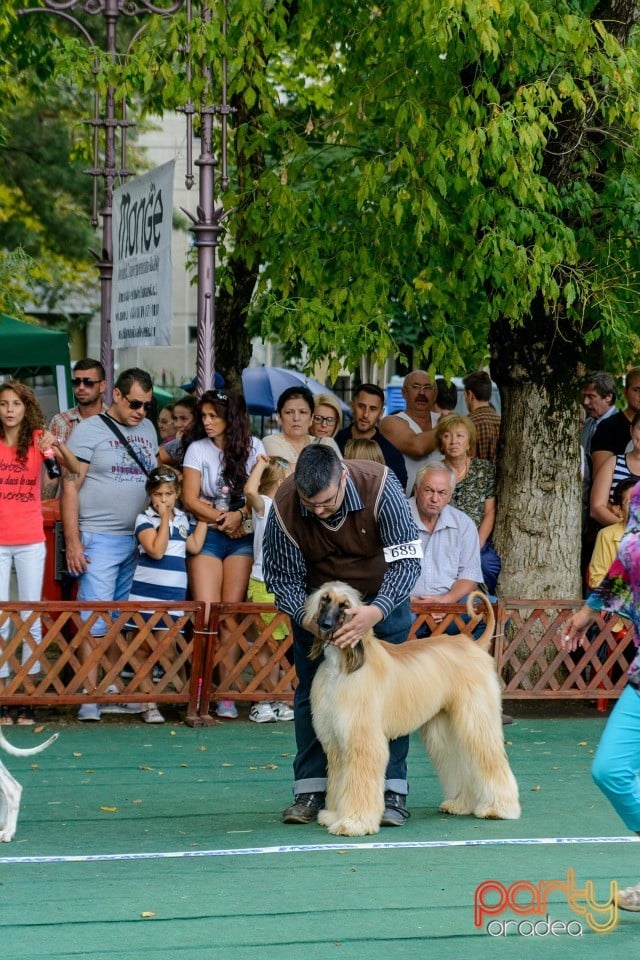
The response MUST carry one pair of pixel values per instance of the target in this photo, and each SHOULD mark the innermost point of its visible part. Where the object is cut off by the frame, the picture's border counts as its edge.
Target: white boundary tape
(322, 848)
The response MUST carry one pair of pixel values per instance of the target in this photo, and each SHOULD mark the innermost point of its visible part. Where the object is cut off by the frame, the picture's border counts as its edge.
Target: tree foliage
(455, 165)
(457, 176)
(45, 232)
(411, 172)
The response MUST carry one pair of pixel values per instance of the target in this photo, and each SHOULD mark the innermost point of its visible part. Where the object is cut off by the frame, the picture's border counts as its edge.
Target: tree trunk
(233, 342)
(537, 531)
(537, 367)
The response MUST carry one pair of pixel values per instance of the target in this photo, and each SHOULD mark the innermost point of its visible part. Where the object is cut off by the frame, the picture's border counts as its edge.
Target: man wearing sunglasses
(100, 505)
(88, 382)
(334, 520)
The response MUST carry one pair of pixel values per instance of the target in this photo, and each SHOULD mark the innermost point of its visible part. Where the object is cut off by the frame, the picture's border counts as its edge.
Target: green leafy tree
(476, 163)
(457, 175)
(45, 232)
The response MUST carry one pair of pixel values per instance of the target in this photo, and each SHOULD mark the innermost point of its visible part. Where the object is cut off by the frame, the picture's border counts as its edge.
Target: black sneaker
(304, 809)
(395, 809)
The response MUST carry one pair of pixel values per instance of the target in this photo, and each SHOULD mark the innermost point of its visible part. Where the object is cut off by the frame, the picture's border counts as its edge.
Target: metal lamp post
(207, 225)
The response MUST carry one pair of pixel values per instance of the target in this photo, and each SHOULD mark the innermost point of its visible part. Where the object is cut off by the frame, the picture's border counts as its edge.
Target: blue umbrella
(263, 385)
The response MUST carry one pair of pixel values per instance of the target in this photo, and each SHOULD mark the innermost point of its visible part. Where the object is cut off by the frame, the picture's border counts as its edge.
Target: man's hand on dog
(358, 622)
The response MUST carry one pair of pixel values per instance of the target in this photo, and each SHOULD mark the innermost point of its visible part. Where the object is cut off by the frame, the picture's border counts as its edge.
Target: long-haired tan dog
(445, 686)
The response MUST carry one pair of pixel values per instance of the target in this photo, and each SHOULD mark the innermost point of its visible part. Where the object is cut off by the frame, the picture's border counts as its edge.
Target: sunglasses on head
(85, 381)
(163, 478)
(140, 404)
(219, 395)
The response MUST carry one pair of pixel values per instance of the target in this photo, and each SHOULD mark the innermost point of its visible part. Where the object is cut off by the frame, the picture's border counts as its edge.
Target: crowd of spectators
(129, 486)
(610, 451)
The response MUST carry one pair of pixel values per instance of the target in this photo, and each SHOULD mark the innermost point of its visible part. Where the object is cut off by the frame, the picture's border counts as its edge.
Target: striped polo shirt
(164, 579)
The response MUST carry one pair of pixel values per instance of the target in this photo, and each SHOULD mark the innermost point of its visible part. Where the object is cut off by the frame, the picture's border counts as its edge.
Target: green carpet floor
(224, 879)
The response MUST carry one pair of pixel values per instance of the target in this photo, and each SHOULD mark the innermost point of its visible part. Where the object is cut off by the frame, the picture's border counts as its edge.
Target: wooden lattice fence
(235, 655)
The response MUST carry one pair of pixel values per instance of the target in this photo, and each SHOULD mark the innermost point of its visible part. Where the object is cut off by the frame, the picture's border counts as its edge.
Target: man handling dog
(350, 522)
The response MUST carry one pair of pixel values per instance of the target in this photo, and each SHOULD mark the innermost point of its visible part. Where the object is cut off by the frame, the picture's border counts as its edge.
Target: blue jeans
(111, 562)
(310, 764)
(617, 760)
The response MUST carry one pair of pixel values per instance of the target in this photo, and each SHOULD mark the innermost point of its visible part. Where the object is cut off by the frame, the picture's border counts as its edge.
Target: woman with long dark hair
(216, 467)
(24, 447)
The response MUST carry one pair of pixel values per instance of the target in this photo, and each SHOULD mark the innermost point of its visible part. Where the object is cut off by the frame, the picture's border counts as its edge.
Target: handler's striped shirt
(284, 565)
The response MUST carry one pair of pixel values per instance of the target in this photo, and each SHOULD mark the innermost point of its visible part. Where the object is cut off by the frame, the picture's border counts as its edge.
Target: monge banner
(141, 298)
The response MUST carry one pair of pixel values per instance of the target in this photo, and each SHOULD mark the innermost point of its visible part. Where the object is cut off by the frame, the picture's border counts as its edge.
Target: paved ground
(165, 843)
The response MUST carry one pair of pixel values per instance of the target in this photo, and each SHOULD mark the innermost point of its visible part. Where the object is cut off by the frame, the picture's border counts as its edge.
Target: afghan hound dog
(362, 697)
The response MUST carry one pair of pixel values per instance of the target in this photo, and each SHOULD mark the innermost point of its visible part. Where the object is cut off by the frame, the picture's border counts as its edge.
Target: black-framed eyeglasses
(145, 405)
(85, 381)
(330, 421)
(322, 504)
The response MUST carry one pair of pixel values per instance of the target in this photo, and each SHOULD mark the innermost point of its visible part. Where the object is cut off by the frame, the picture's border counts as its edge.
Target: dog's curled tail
(19, 752)
(486, 614)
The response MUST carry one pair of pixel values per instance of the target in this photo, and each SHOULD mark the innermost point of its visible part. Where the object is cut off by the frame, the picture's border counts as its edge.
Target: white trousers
(28, 560)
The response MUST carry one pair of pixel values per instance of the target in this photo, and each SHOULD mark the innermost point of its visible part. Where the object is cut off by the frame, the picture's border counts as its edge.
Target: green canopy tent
(38, 357)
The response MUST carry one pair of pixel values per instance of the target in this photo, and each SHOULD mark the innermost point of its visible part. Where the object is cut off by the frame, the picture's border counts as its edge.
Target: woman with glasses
(327, 416)
(475, 490)
(216, 467)
(164, 422)
(295, 413)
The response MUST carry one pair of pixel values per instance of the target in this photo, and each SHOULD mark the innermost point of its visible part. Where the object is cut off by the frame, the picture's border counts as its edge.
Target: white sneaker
(121, 707)
(283, 711)
(226, 708)
(89, 711)
(263, 713)
(152, 714)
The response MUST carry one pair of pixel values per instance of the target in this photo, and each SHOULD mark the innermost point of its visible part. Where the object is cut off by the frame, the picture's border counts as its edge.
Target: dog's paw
(5, 836)
(456, 807)
(327, 817)
(351, 827)
(498, 812)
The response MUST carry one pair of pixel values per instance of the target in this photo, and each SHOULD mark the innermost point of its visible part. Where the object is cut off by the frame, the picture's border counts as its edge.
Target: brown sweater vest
(352, 552)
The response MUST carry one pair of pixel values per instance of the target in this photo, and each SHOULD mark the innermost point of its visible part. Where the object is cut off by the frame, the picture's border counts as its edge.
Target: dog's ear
(316, 648)
(354, 657)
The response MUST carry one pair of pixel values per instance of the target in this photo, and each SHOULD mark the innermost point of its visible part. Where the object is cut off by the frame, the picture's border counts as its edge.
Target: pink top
(20, 502)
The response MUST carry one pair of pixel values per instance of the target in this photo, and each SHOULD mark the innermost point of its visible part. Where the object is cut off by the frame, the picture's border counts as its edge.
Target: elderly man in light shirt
(451, 549)
(451, 562)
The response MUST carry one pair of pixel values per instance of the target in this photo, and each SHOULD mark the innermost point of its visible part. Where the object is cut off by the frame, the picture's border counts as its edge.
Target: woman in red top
(22, 540)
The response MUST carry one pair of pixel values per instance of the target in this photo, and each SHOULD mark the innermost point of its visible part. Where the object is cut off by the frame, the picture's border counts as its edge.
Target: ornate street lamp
(207, 225)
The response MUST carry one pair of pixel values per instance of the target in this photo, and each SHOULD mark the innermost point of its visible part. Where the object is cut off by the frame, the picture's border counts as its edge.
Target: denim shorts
(221, 546)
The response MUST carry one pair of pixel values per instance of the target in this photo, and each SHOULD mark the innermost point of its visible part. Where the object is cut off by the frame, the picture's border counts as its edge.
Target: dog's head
(326, 608)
